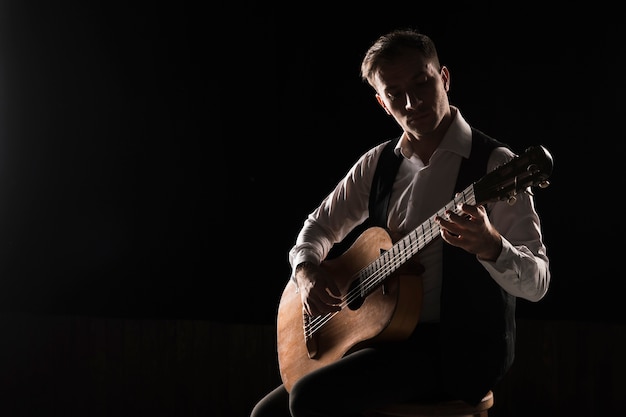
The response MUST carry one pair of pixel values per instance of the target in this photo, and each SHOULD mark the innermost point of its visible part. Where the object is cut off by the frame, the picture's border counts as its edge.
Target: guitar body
(389, 312)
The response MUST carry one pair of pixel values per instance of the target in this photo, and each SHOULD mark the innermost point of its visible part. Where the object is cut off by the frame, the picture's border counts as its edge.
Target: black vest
(477, 315)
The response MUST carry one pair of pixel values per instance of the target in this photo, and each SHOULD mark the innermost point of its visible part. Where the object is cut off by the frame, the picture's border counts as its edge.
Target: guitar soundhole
(359, 296)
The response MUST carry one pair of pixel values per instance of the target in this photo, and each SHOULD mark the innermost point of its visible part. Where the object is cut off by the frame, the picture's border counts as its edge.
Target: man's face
(414, 91)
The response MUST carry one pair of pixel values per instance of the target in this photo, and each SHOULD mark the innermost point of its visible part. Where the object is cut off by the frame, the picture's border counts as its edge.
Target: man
(488, 255)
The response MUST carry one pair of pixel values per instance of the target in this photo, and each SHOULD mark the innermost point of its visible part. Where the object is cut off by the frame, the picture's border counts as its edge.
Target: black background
(158, 159)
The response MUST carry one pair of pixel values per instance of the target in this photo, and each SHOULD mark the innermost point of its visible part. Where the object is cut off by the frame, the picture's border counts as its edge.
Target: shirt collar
(458, 137)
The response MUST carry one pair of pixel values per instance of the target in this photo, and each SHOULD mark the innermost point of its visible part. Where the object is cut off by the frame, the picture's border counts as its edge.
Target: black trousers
(376, 375)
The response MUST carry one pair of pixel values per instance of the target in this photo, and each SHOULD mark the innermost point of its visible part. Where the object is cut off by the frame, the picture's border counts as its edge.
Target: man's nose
(412, 100)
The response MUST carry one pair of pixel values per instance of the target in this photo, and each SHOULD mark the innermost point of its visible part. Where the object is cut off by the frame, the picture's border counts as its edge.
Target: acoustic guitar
(379, 304)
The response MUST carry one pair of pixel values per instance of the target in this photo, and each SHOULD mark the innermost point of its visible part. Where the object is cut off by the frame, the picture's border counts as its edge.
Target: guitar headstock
(532, 168)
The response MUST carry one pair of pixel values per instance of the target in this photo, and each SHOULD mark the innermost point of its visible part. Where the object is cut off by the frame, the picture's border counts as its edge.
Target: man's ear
(445, 76)
(382, 103)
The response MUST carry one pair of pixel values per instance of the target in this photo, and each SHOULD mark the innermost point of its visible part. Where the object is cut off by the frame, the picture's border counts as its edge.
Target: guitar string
(399, 257)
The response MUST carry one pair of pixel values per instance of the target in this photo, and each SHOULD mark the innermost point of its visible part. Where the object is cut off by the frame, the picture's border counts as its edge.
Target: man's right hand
(318, 291)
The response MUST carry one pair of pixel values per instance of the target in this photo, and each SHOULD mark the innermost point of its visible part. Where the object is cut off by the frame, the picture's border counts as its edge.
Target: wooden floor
(96, 367)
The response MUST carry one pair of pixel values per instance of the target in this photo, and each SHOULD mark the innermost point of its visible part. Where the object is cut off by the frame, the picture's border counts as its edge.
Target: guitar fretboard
(376, 272)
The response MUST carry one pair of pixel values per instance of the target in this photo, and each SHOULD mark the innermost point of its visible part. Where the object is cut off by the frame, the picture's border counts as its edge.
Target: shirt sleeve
(522, 269)
(337, 214)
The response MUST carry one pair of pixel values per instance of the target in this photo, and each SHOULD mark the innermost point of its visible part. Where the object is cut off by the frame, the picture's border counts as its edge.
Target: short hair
(393, 44)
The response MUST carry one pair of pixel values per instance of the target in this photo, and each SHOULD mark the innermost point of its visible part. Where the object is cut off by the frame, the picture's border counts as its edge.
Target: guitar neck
(503, 183)
(376, 272)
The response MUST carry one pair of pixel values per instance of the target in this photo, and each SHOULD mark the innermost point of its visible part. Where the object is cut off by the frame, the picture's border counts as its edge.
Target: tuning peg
(511, 200)
(544, 184)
